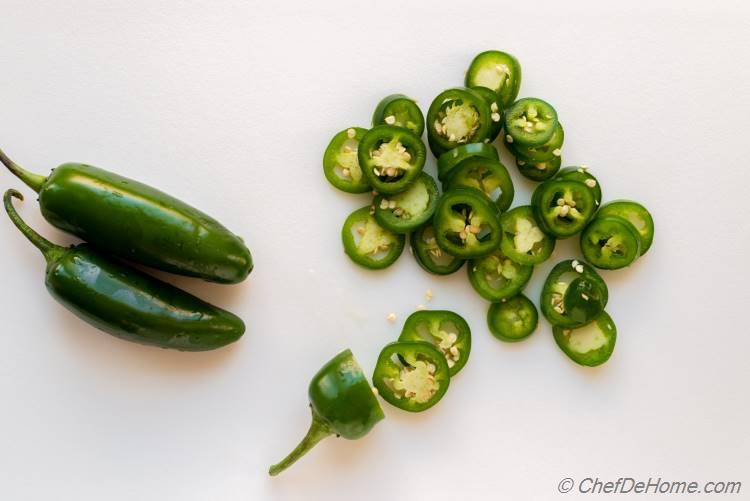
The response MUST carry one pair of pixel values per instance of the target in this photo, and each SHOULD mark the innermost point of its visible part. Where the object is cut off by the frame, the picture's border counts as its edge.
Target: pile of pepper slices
(471, 220)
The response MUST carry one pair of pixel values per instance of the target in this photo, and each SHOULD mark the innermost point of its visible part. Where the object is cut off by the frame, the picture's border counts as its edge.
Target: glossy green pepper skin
(342, 403)
(126, 302)
(136, 222)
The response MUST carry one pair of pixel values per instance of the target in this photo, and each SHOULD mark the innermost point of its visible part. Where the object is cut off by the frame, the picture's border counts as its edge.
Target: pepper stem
(33, 181)
(49, 249)
(319, 430)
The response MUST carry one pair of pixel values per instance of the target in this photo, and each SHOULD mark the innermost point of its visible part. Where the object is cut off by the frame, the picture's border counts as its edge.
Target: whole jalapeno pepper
(457, 116)
(446, 330)
(136, 222)
(451, 158)
(391, 158)
(411, 375)
(342, 403)
(466, 223)
(563, 207)
(573, 294)
(126, 302)
(401, 111)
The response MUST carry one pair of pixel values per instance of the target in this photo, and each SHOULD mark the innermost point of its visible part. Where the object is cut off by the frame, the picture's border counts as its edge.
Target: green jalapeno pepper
(573, 294)
(497, 71)
(496, 111)
(610, 242)
(125, 302)
(512, 319)
(563, 207)
(391, 158)
(539, 153)
(582, 175)
(406, 211)
(451, 158)
(401, 111)
(538, 171)
(412, 375)
(445, 330)
(529, 122)
(496, 277)
(340, 162)
(430, 256)
(638, 216)
(136, 222)
(523, 241)
(367, 243)
(486, 175)
(342, 403)
(590, 345)
(457, 116)
(466, 223)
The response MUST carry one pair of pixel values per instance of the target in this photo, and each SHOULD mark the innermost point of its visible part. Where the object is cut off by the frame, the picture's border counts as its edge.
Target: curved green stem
(49, 249)
(318, 431)
(33, 181)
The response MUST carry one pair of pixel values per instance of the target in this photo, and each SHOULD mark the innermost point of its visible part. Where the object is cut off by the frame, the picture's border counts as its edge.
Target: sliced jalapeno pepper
(563, 207)
(552, 148)
(496, 277)
(485, 175)
(610, 242)
(430, 256)
(412, 376)
(451, 158)
(582, 175)
(399, 110)
(445, 330)
(523, 241)
(566, 287)
(513, 319)
(529, 122)
(638, 216)
(367, 243)
(538, 171)
(590, 345)
(466, 224)
(457, 116)
(497, 71)
(496, 111)
(406, 211)
(340, 162)
(391, 158)
(342, 403)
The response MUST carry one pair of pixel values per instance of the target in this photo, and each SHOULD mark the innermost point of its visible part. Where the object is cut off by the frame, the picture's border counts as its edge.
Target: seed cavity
(415, 381)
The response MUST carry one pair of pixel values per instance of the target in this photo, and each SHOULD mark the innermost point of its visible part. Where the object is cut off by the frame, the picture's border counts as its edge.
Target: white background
(229, 105)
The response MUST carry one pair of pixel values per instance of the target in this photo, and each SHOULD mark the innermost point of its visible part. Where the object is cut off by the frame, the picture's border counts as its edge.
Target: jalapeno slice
(497, 277)
(529, 122)
(485, 175)
(523, 241)
(557, 295)
(406, 211)
(513, 319)
(401, 111)
(340, 162)
(457, 116)
(610, 242)
(552, 148)
(582, 175)
(638, 216)
(538, 171)
(367, 243)
(451, 158)
(497, 71)
(496, 111)
(563, 207)
(391, 158)
(466, 224)
(445, 330)
(412, 376)
(590, 345)
(430, 256)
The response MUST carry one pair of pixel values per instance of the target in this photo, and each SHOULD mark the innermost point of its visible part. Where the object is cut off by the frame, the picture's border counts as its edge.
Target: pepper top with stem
(342, 403)
(50, 251)
(33, 181)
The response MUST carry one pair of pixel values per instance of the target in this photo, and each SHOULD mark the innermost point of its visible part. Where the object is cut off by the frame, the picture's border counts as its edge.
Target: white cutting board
(229, 105)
